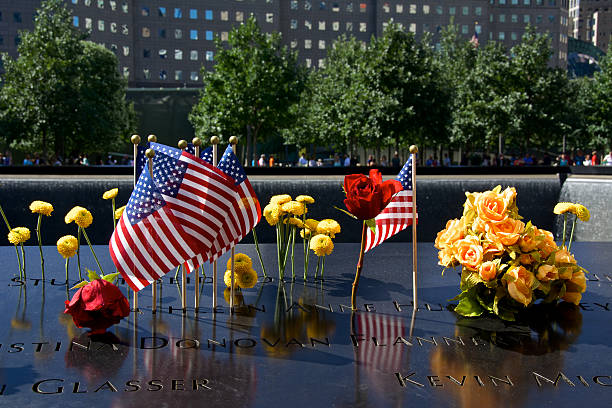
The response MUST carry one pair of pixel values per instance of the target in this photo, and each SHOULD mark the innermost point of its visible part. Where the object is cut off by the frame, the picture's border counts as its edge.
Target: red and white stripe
(382, 330)
(396, 217)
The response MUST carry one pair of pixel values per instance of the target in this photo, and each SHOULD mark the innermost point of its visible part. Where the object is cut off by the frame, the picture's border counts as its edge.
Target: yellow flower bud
(41, 207)
(112, 193)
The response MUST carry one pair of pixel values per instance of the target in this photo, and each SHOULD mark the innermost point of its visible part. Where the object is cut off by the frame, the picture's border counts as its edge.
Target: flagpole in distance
(182, 144)
(413, 151)
(135, 139)
(214, 141)
(233, 141)
(150, 153)
(197, 142)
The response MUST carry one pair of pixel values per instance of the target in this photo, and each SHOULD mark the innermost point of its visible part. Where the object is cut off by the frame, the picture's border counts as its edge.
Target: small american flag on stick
(397, 215)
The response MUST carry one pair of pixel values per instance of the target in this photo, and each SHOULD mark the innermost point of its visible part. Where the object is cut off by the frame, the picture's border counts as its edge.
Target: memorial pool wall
(439, 198)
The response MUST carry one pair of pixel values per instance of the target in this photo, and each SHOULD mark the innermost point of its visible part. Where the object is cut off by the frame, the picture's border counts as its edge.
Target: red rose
(98, 305)
(366, 197)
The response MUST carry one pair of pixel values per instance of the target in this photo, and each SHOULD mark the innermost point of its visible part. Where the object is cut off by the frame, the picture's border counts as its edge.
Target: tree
(62, 93)
(597, 106)
(255, 82)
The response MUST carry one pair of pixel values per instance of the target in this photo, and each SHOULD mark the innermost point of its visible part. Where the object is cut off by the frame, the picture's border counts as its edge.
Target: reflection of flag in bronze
(245, 212)
(397, 215)
(379, 333)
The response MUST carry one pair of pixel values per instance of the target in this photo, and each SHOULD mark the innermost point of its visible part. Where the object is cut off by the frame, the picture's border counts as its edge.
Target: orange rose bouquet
(506, 264)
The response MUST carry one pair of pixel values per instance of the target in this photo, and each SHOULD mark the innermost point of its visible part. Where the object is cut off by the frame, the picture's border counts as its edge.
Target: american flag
(378, 351)
(397, 215)
(245, 212)
(171, 218)
(474, 40)
(141, 159)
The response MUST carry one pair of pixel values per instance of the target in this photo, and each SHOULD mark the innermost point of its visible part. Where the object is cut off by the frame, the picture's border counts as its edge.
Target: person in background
(546, 160)
(271, 161)
(302, 162)
(587, 160)
(594, 158)
(337, 162)
(429, 162)
(319, 162)
(383, 161)
(579, 158)
(607, 160)
(347, 160)
(312, 162)
(27, 161)
(395, 160)
(563, 161)
(262, 161)
(528, 160)
(371, 161)
(446, 162)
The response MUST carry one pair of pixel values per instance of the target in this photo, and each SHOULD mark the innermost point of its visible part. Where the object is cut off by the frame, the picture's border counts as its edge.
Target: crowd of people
(577, 158)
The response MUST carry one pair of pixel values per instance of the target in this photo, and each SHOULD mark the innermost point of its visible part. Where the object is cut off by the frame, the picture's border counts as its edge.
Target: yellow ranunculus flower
(321, 245)
(240, 258)
(227, 279)
(112, 193)
(81, 216)
(562, 208)
(67, 246)
(311, 224)
(18, 235)
(582, 213)
(306, 199)
(238, 297)
(247, 279)
(294, 208)
(272, 213)
(239, 268)
(41, 207)
(294, 221)
(119, 212)
(306, 233)
(328, 227)
(280, 199)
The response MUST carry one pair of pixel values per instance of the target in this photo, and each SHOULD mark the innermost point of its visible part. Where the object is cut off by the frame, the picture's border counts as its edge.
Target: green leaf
(111, 277)
(371, 223)
(469, 307)
(499, 295)
(92, 275)
(80, 285)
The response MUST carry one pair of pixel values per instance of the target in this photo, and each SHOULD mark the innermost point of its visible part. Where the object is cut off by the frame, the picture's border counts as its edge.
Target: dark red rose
(98, 305)
(366, 196)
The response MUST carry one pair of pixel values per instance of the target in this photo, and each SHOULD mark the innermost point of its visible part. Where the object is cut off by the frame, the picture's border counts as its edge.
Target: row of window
(208, 14)
(163, 74)
(325, 5)
(335, 25)
(101, 25)
(514, 18)
(413, 8)
(525, 2)
(178, 54)
(100, 3)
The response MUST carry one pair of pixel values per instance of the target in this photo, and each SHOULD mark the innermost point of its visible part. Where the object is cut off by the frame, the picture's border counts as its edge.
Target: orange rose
(488, 271)
(525, 259)
(519, 284)
(575, 287)
(562, 256)
(448, 236)
(547, 273)
(492, 207)
(492, 247)
(547, 245)
(508, 231)
(509, 195)
(469, 252)
(479, 225)
(528, 243)
(572, 297)
(446, 257)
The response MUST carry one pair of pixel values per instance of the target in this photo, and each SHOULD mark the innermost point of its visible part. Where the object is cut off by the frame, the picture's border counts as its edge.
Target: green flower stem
(67, 260)
(176, 273)
(278, 250)
(569, 244)
(19, 261)
(92, 251)
(79, 252)
(307, 254)
(114, 220)
(322, 266)
(318, 267)
(292, 250)
(24, 263)
(564, 225)
(42, 259)
(5, 219)
(285, 255)
(203, 273)
(263, 268)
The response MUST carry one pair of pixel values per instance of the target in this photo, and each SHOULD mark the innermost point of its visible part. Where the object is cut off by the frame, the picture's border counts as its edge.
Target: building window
(113, 27)
(413, 9)
(193, 55)
(125, 7)
(399, 8)
(178, 54)
(307, 5)
(513, 36)
(321, 62)
(193, 34)
(308, 63)
(162, 33)
(193, 75)
(478, 11)
(452, 11)
(514, 18)
(307, 44)
(336, 25)
(178, 75)
(362, 7)
(224, 35)
(502, 18)
(501, 35)
(209, 35)
(321, 25)
(126, 51)
(293, 24)
(239, 16)
(514, 2)
(322, 5)
(349, 7)
(100, 25)
(178, 33)
(425, 9)
(464, 29)
(193, 14)
(294, 43)
(224, 16)
(425, 27)
(209, 56)
(412, 28)
(163, 75)
(88, 23)
(163, 53)
(294, 5)
(101, 4)
(551, 19)
(465, 11)
(145, 11)
(146, 73)
(208, 15)
(178, 13)
(527, 2)
(126, 72)
(307, 24)
(17, 17)
(335, 7)
(386, 7)
(439, 10)
(146, 53)
(321, 44)
(124, 29)
(161, 11)
(538, 19)
(75, 21)
(349, 26)
(269, 17)
(363, 27)
(146, 32)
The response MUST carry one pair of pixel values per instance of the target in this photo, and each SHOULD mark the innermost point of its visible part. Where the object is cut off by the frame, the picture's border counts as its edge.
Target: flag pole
(233, 141)
(214, 141)
(135, 139)
(197, 142)
(150, 153)
(182, 144)
(413, 151)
